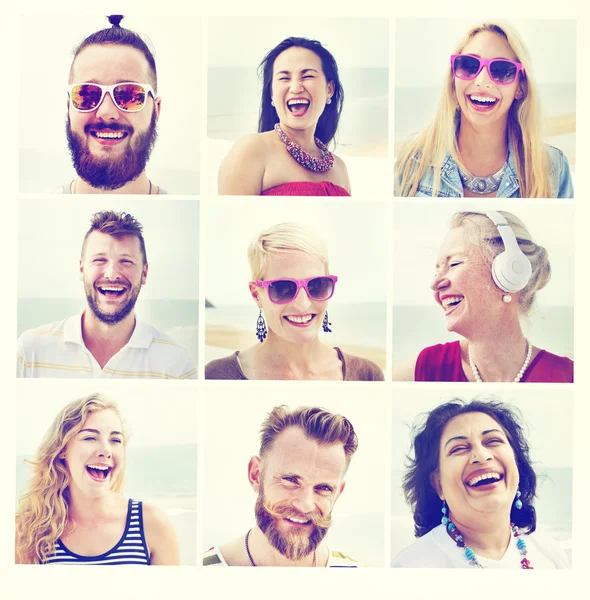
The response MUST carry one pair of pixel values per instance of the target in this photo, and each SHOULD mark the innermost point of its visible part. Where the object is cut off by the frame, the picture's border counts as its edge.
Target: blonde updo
(483, 234)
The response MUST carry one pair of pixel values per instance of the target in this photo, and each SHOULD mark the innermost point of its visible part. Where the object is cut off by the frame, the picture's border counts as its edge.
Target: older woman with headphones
(487, 274)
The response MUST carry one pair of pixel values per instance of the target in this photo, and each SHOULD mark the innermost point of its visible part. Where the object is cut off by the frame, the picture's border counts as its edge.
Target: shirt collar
(140, 338)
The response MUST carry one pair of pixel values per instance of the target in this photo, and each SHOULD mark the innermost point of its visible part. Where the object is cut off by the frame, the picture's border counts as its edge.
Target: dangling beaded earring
(326, 324)
(261, 329)
(518, 501)
(445, 519)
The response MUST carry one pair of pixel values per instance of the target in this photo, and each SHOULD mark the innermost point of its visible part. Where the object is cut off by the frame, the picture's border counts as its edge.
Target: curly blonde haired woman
(485, 140)
(74, 511)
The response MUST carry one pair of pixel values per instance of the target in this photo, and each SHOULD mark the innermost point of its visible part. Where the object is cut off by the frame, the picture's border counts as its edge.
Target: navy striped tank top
(131, 549)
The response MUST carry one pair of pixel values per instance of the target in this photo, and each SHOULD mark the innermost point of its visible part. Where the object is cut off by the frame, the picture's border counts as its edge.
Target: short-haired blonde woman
(485, 139)
(74, 511)
(291, 285)
(487, 274)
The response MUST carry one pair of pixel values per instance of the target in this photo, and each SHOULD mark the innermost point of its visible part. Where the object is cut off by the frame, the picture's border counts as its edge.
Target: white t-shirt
(58, 350)
(437, 549)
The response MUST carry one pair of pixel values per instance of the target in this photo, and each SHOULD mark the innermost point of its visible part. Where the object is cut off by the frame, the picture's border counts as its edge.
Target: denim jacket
(451, 186)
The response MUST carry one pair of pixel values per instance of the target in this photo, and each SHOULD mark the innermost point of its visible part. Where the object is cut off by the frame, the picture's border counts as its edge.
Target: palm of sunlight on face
(98, 444)
(487, 45)
(298, 74)
(463, 285)
(473, 445)
(298, 321)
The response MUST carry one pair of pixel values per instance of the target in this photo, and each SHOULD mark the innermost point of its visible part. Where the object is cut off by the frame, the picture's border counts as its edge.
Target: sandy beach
(222, 340)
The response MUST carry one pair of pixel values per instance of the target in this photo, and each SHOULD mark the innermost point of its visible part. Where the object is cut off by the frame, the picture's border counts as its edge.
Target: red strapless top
(306, 188)
(443, 363)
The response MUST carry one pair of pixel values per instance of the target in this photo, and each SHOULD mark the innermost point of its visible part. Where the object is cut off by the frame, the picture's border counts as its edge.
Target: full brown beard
(296, 545)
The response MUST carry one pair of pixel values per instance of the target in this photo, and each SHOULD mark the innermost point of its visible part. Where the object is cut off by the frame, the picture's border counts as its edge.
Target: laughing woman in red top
(487, 274)
(300, 108)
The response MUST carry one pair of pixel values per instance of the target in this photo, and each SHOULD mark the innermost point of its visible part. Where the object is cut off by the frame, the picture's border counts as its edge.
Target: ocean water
(416, 327)
(364, 117)
(359, 324)
(416, 106)
(178, 318)
(553, 505)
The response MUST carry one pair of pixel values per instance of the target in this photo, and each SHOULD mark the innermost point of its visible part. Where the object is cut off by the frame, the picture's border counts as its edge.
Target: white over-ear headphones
(511, 269)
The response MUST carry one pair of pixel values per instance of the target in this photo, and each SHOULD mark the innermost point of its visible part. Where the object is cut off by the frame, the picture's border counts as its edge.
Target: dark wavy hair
(328, 122)
(419, 492)
(122, 36)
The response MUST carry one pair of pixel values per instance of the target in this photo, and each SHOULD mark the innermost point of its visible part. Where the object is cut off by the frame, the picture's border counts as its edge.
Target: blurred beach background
(419, 230)
(170, 299)
(356, 240)
(161, 453)
(44, 158)
(358, 527)
(548, 418)
(420, 70)
(236, 47)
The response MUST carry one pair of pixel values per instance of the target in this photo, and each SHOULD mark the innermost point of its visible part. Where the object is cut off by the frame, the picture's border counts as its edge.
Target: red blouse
(443, 363)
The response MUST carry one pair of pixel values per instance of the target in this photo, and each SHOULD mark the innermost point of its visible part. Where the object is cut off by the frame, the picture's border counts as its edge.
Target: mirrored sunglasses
(127, 96)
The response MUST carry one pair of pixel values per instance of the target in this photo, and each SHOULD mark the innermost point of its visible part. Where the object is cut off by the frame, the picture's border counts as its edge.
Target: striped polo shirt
(131, 549)
(58, 350)
(214, 558)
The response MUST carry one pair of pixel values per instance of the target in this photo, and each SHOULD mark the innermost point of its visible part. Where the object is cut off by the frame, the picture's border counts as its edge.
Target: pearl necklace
(253, 564)
(306, 160)
(519, 375)
(470, 554)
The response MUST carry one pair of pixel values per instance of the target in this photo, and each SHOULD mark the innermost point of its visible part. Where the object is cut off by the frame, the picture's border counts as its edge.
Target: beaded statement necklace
(253, 564)
(306, 160)
(470, 554)
(527, 360)
(483, 185)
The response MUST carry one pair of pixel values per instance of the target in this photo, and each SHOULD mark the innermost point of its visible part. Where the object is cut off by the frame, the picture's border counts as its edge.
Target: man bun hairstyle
(117, 35)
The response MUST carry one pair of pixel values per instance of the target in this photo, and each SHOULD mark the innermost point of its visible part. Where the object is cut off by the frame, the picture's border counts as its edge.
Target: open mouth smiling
(484, 479)
(482, 101)
(449, 303)
(300, 320)
(298, 106)
(109, 135)
(98, 472)
(112, 291)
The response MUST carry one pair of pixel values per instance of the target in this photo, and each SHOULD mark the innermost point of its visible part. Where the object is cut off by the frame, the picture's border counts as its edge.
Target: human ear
(254, 473)
(144, 274)
(435, 483)
(254, 292)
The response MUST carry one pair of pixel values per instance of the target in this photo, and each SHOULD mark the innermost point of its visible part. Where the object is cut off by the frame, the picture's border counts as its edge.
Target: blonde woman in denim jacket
(486, 138)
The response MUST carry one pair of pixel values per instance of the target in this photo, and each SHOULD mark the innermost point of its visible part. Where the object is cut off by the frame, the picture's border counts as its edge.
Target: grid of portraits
(403, 296)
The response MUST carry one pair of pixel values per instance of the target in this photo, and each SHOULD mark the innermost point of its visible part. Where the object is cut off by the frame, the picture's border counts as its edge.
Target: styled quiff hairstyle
(318, 424)
(285, 237)
(117, 35)
(424, 460)
(524, 129)
(482, 233)
(116, 224)
(328, 122)
(43, 508)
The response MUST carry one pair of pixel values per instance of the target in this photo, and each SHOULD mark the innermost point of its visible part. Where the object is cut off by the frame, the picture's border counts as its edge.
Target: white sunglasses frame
(108, 89)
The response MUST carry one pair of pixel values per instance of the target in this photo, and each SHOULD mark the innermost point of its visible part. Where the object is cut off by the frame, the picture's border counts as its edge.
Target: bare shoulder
(405, 370)
(342, 173)
(234, 553)
(242, 169)
(161, 536)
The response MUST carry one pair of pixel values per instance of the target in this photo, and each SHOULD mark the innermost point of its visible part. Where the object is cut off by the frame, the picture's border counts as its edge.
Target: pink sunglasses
(501, 70)
(283, 291)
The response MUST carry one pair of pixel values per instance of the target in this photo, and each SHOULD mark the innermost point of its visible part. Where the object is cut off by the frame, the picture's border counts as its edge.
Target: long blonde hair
(43, 508)
(440, 137)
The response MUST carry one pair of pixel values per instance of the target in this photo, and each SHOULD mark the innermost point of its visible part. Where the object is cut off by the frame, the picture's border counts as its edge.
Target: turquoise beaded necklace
(470, 554)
